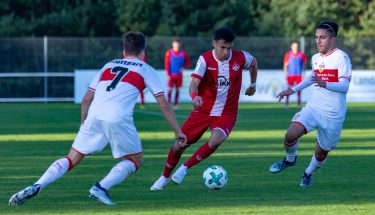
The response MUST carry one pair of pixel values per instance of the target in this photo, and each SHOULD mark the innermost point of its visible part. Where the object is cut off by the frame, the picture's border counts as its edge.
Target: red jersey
(221, 81)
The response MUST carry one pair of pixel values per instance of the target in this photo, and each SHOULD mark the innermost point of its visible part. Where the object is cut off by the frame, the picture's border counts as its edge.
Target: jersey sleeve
(200, 68)
(94, 83)
(286, 58)
(248, 59)
(303, 58)
(167, 61)
(186, 60)
(152, 82)
(345, 67)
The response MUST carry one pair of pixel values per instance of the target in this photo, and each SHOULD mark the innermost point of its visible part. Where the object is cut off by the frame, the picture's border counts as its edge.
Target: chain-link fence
(51, 55)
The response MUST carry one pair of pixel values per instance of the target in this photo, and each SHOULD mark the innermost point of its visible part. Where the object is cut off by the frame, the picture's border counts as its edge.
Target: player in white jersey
(107, 117)
(326, 108)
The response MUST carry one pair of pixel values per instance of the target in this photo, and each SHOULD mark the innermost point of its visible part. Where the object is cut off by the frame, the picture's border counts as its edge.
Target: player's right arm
(285, 64)
(171, 119)
(193, 89)
(305, 83)
(89, 96)
(196, 77)
(167, 61)
(86, 102)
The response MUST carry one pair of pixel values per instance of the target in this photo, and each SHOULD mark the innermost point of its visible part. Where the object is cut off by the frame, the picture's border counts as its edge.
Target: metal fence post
(45, 58)
(302, 42)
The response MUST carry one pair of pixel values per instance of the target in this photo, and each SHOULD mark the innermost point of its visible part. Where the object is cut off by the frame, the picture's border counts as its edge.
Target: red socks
(171, 163)
(169, 96)
(176, 97)
(202, 153)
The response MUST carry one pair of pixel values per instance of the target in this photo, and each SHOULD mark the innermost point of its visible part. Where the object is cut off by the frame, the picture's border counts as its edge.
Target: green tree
(58, 18)
(139, 15)
(200, 18)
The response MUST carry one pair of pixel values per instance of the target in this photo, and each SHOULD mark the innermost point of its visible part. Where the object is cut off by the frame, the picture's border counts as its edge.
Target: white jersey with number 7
(117, 87)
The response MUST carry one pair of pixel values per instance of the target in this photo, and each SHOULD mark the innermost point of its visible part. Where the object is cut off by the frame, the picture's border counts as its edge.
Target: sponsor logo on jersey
(211, 68)
(222, 82)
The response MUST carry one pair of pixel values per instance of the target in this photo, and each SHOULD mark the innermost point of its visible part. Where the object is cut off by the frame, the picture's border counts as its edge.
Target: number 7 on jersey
(120, 73)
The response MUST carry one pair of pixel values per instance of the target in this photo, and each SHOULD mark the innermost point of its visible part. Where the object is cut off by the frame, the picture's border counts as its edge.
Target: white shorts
(94, 135)
(328, 130)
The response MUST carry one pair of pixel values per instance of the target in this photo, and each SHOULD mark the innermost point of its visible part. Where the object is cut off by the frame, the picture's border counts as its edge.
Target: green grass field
(32, 136)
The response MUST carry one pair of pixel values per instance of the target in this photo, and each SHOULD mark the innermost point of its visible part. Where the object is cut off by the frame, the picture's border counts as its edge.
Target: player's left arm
(253, 78)
(86, 102)
(340, 87)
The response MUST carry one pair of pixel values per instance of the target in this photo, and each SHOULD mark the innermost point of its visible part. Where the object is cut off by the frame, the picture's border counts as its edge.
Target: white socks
(118, 173)
(314, 165)
(54, 172)
(291, 152)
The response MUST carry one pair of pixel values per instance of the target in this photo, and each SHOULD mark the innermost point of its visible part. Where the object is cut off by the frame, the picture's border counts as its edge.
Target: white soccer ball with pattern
(215, 177)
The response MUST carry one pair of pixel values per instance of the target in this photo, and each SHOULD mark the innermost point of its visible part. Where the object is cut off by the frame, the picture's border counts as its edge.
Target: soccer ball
(215, 177)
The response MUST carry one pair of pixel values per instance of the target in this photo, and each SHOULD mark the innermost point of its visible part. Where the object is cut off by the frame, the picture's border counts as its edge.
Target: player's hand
(197, 102)
(287, 92)
(250, 91)
(318, 81)
(181, 139)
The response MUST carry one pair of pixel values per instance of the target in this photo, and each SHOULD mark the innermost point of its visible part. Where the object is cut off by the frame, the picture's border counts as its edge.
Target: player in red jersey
(294, 64)
(107, 118)
(175, 61)
(215, 89)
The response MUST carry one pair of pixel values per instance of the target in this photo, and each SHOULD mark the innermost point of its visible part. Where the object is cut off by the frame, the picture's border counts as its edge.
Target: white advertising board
(269, 84)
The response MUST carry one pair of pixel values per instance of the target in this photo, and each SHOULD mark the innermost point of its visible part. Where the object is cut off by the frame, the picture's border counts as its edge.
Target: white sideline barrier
(269, 83)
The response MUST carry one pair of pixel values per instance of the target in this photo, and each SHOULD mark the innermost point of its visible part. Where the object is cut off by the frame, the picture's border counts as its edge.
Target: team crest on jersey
(235, 67)
(321, 67)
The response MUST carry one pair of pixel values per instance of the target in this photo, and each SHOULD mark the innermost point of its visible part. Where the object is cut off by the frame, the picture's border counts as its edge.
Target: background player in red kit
(215, 89)
(294, 64)
(175, 61)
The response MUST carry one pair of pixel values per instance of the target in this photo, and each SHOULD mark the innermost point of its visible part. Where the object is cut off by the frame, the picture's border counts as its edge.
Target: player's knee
(320, 156)
(290, 139)
(178, 148)
(137, 160)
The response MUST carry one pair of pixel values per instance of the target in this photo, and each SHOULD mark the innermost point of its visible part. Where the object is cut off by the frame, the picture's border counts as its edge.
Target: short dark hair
(176, 39)
(294, 41)
(134, 42)
(225, 34)
(330, 26)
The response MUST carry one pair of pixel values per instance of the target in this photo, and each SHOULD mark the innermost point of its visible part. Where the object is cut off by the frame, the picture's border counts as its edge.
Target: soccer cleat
(281, 165)
(22, 196)
(179, 175)
(100, 194)
(160, 183)
(306, 180)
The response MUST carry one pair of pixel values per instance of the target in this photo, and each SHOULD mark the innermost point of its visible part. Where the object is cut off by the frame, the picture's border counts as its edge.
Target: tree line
(103, 18)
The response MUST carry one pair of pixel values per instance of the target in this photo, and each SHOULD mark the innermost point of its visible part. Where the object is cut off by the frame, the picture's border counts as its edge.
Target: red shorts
(175, 80)
(198, 123)
(294, 80)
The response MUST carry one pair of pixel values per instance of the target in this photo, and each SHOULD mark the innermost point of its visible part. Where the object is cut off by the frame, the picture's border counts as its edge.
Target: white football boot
(179, 175)
(100, 194)
(22, 196)
(160, 183)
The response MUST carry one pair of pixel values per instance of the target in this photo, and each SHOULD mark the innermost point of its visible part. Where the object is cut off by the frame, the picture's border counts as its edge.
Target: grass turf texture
(32, 136)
